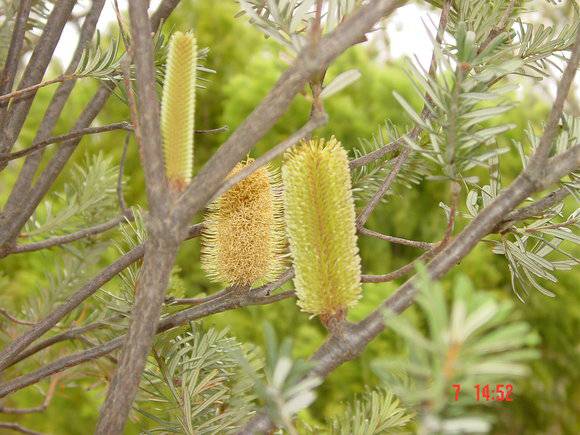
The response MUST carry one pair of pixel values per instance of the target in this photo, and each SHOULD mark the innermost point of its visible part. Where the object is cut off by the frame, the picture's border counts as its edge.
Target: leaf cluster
(195, 385)
(536, 248)
(88, 197)
(287, 21)
(284, 388)
(366, 179)
(474, 340)
(375, 412)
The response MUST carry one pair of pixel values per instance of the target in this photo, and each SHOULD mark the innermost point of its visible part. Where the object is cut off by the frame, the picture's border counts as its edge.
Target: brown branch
(257, 124)
(148, 112)
(5, 157)
(563, 163)
(163, 11)
(165, 234)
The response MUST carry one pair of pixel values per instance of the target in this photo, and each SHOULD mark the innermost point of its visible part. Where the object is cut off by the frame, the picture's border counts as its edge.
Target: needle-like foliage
(195, 384)
(320, 220)
(473, 340)
(376, 412)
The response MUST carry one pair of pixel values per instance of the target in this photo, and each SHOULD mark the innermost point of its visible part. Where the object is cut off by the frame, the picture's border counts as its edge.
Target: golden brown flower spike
(320, 221)
(243, 240)
(178, 110)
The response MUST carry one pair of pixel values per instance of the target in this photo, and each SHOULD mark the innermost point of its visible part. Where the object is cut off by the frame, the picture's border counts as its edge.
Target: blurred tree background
(246, 66)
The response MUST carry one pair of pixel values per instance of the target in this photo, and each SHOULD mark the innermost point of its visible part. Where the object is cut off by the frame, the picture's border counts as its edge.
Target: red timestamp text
(489, 392)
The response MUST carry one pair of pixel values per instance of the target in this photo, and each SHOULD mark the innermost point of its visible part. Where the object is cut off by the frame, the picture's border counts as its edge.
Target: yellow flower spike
(178, 109)
(320, 221)
(243, 241)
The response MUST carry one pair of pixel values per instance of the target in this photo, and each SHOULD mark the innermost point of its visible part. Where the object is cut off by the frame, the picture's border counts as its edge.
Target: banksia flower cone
(320, 221)
(178, 110)
(243, 241)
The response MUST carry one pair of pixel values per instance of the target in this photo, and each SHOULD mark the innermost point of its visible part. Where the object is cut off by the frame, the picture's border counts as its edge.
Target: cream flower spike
(320, 221)
(178, 109)
(243, 241)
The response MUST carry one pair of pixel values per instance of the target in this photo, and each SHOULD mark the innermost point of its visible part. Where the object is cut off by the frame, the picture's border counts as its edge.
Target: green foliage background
(247, 66)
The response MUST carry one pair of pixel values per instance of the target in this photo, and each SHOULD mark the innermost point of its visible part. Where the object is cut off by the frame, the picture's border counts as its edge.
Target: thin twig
(24, 92)
(455, 191)
(197, 301)
(46, 402)
(376, 154)
(69, 238)
(5, 157)
(71, 334)
(18, 428)
(396, 240)
(385, 186)
(221, 129)
(64, 137)
(14, 319)
(402, 271)
(567, 223)
(120, 195)
(536, 209)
